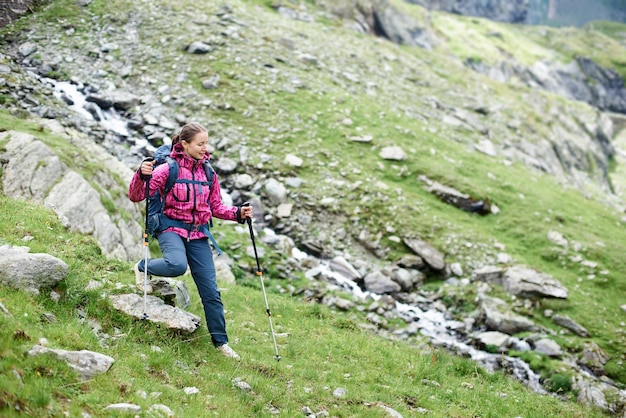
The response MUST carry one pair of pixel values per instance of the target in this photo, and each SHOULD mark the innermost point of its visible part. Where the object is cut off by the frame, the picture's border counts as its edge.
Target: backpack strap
(208, 170)
(173, 174)
(210, 174)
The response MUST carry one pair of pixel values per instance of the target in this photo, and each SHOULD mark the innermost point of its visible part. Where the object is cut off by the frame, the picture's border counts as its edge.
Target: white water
(436, 326)
(109, 119)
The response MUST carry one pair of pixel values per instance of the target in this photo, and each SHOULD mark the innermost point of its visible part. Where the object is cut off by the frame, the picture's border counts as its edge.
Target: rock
(557, 238)
(495, 339)
(199, 48)
(276, 191)
(342, 266)
(156, 311)
(593, 357)
(35, 173)
(499, 317)
(548, 347)
(343, 304)
(526, 282)
(569, 323)
(160, 410)
(86, 363)
(211, 83)
(225, 166)
(489, 274)
(123, 407)
(429, 254)
(457, 199)
(223, 270)
(393, 153)
(456, 269)
(411, 261)
(340, 393)
(123, 100)
(590, 394)
(293, 160)
(377, 282)
(284, 210)
(30, 272)
(392, 413)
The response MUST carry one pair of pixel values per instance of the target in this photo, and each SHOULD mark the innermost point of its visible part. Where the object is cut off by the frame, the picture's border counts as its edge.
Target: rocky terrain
(283, 90)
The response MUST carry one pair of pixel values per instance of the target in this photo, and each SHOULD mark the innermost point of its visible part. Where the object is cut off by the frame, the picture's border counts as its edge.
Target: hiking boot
(140, 278)
(228, 352)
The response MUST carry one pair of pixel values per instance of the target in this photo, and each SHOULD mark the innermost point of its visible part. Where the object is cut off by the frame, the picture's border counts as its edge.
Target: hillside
(343, 135)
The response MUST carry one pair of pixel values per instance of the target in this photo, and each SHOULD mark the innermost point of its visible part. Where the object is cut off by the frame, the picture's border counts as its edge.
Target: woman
(194, 203)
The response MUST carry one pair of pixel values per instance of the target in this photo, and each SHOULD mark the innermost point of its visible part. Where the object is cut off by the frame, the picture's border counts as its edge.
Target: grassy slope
(532, 204)
(321, 350)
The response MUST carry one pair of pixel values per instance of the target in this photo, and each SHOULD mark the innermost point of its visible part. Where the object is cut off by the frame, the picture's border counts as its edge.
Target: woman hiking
(188, 208)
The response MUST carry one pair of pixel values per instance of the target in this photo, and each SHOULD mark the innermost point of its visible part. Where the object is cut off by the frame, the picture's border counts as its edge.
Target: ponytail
(187, 133)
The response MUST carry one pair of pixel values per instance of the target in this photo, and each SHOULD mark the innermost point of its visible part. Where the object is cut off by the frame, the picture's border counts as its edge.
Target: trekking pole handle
(248, 220)
(256, 256)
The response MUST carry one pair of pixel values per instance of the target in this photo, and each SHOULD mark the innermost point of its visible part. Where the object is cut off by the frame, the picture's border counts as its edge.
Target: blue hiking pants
(177, 254)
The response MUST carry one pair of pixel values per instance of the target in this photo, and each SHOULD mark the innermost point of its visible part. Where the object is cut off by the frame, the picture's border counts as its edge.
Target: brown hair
(187, 132)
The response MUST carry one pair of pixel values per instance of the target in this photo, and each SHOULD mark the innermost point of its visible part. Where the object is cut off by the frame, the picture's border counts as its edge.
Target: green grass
(321, 350)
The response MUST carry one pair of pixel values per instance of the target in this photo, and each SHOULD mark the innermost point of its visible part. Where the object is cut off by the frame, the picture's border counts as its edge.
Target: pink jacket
(192, 205)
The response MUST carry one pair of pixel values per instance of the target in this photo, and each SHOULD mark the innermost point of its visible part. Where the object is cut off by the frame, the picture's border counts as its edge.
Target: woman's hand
(246, 212)
(146, 168)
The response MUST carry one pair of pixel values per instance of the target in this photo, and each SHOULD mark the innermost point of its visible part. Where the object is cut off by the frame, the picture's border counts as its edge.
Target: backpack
(157, 220)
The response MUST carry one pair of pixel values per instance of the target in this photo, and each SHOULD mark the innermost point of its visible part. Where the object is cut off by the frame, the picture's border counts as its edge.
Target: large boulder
(32, 171)
(30, 272)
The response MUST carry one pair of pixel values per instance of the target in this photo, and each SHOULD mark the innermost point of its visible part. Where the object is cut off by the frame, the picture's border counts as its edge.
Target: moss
(558, 383)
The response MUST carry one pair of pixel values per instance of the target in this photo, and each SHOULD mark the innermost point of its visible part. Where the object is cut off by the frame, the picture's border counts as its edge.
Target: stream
(434, 324)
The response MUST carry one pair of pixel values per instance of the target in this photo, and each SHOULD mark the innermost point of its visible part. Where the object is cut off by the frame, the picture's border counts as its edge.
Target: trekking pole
(260, 274)
(146, 243)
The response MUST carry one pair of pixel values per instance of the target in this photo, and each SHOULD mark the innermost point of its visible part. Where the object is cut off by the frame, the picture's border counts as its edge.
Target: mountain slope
(309, 85)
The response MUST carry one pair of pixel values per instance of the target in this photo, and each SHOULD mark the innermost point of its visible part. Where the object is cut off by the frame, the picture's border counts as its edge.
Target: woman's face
(197, 147)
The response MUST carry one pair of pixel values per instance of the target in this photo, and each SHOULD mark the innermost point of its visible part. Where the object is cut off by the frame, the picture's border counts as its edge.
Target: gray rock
(400, 28)
(340, 393)
(30, 272)
(377, 282)
(411, 261)
(226, 166)
(489, 274)
(342, 266)
(124, 101)
(570, 324)
(593, 357)
(428, 253)
(86, 363)
(123, 407)
(199, 48)
(548, 347)
(393, 153)
(156, 311)
(590, 394)
(499, 317)
(34, 172)
(276, 191)
(494, 339)
(527, 282)
(211, 83)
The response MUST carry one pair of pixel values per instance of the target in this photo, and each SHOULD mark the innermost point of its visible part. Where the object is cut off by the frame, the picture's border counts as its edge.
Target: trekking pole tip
(277, 357)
